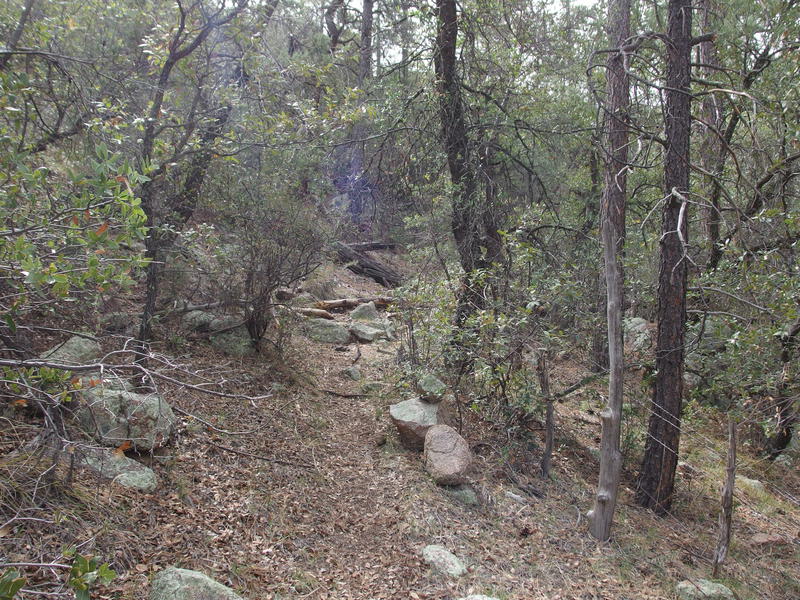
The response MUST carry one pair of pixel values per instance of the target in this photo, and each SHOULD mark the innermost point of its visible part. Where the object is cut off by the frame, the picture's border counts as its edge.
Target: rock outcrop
(365, 332)
(77, 350)
(327, 332)
(113, 416)
(121, 469)
(447, 455)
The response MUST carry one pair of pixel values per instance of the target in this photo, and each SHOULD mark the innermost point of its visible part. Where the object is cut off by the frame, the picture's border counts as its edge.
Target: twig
(37, 565)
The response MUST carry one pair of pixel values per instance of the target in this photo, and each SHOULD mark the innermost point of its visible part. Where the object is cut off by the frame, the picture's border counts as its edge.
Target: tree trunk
(361, 264)
(543, 372)
(785, 413)
(726, 514)
(657, 476)
(713, 152)
(613, 235)
(466, 217)
(15, 36)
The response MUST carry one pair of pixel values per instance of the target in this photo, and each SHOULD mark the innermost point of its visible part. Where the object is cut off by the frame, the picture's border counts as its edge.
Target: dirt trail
(347, 517)
(350, 524)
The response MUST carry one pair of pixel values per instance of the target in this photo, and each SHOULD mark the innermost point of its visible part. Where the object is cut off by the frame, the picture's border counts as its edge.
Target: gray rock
(121, 469)
(327, 332)
(183, 584)
(702, 589)
(515, 497)
(447, 455)
(366, 333)
(638, 333)
(197, 320)
(365, 312)
(431, 388)
(443, 561)
(465, 494)
(225, 323)
(353, 373)
(233, 342)
(75, 351)
(413, 418)
(751, 484)
(113, 416)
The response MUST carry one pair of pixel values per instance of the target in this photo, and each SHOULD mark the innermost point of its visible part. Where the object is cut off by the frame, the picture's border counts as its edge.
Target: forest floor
(309, 494)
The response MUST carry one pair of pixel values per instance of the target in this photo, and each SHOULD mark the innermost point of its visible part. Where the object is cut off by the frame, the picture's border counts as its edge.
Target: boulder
(353, 373)
(327, 332)
(447, 455)
(183, 584)
(443, 561)
(365, 312)
(113, 416)
(753, 485)
(197, 320)
(638, 333)
(233, 342)
(77, 350)
(413, 418)
(702, 589)
(121, 469)
(364, 332)
(431, 388)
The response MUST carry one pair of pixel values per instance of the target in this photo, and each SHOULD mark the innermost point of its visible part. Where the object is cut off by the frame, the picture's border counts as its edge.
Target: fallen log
(314, 312)
(361, 264)
(380, 302)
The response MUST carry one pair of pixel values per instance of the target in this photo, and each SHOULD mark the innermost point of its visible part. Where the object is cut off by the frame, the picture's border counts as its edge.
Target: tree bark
(613, 235)
(543, 372)
(657, 476)
(16, 35)
(785, 412)
(466, 216)
(726, 512)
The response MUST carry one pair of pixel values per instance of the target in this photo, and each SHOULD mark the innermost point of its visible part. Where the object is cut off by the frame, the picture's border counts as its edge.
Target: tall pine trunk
(657, 476)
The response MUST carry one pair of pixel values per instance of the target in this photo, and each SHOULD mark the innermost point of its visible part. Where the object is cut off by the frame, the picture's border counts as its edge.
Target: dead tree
(613, 235)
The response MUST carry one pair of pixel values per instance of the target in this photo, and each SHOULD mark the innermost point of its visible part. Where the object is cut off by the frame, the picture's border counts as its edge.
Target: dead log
(361, 264)
(314, 312)
(380, 302)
